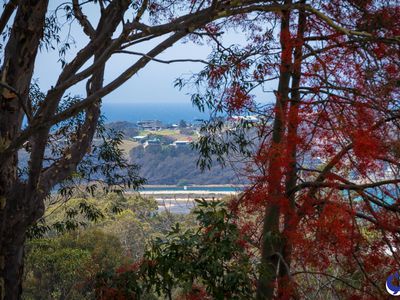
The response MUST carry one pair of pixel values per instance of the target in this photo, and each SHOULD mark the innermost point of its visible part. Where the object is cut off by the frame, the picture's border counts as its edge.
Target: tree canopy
(325, 169)
(324, 157)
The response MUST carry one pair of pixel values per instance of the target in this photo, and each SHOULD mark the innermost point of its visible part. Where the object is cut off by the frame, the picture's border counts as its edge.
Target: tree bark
(272, 240)
(291, 217)
(12, 265)
(16, 204)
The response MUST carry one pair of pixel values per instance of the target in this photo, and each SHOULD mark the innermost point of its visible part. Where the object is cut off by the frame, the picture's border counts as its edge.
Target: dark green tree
(182, 124)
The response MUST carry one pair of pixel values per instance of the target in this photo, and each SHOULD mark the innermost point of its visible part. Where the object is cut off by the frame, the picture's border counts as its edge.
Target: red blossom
(237, 98)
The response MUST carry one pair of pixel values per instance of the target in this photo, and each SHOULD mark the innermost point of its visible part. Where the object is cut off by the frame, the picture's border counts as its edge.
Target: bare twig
(163, 61)
(8, 11)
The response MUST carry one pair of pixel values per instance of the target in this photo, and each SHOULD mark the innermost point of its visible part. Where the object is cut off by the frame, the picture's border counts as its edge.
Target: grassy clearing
(175, 134)
(128, 145)
(168, 132)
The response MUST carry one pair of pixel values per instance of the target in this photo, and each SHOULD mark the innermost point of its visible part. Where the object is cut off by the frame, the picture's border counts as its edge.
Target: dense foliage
(209, 261)
(64, 262)
(325, 170)
(63, 267)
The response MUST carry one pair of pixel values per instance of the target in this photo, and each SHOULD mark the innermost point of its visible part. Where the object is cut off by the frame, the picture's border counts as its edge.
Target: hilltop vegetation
(127, 128)
(165, 164)
(169, 165)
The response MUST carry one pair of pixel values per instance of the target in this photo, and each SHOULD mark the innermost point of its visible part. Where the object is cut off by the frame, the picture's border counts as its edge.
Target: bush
(210, 259)
(64, 267)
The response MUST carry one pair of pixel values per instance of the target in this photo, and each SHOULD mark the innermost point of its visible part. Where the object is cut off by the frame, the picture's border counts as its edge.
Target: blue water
(165, 112)
(192, 188)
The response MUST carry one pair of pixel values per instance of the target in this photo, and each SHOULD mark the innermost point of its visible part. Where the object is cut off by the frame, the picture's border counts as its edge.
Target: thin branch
(83, 20)
(141, 10)
(164, 61)
(282, 259)
(331, 276)
(338, 186)
(8, 11)
(344, 30)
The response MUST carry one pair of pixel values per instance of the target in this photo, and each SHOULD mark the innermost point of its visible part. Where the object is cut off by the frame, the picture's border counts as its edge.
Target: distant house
(150, 125)
(171, 126)
(233, 121)
(139, 138)
(181, 144)
(250, 119)
(152, 144)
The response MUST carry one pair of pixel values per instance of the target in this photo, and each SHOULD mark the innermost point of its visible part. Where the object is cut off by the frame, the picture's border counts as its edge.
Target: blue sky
(153, 84)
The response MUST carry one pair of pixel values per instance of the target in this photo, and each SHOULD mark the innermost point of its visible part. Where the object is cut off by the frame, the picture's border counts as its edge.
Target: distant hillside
(165, 164)
(169, 165)
(128, 129)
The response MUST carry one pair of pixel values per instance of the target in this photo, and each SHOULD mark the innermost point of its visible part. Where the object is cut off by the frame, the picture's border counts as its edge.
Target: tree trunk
(12, 265)
(17, 221)
(272, 242)
(19, 205)
(291, 217)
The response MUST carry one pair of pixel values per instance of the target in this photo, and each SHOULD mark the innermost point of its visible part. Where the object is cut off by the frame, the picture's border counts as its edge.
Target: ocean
(165, 112)
(171, 189)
